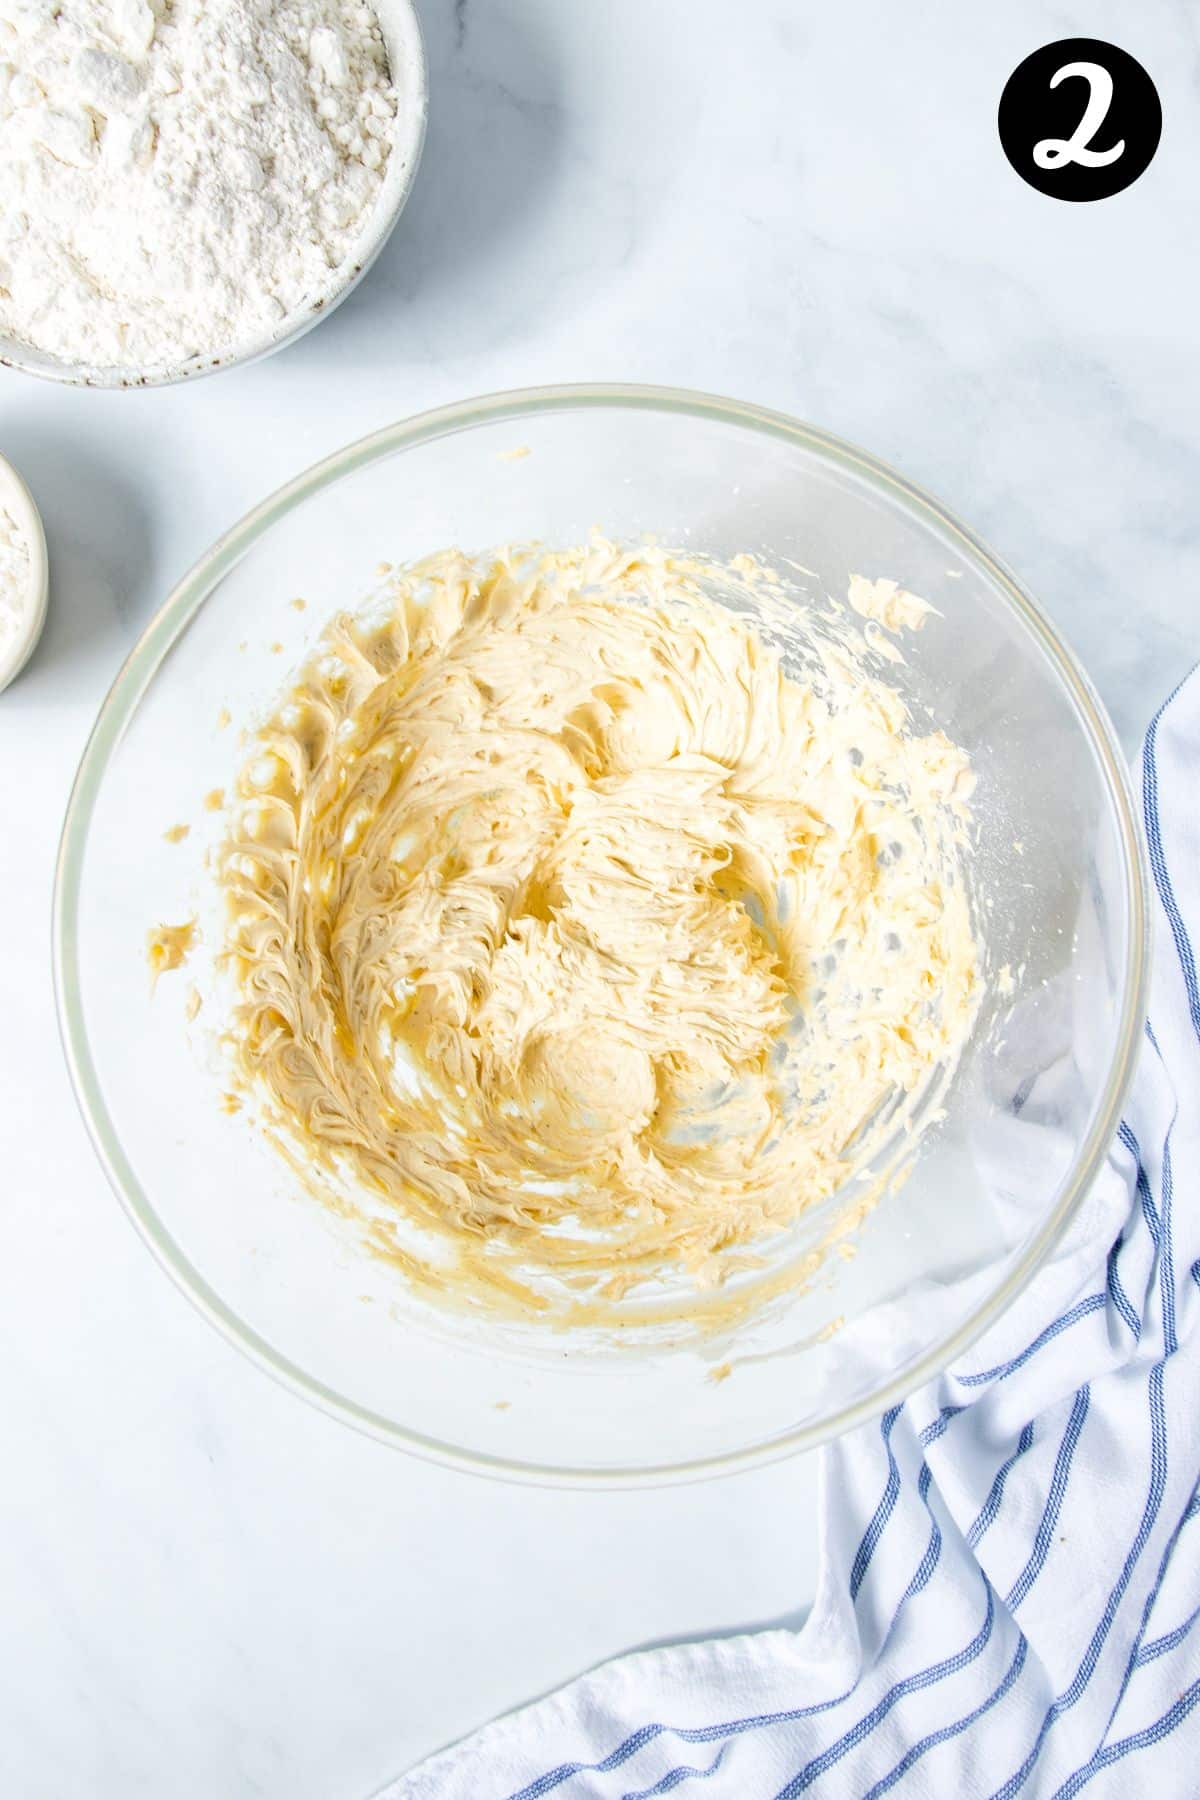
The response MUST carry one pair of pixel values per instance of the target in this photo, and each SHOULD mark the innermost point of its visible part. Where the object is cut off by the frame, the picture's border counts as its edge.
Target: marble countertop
(211, 1589)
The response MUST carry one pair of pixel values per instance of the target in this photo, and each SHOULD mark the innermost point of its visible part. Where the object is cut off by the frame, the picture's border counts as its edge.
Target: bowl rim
(405, 43)
(19, 503)
(138, 671)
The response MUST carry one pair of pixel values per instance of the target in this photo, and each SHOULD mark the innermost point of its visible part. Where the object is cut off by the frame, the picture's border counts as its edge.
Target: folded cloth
(1009, 1593)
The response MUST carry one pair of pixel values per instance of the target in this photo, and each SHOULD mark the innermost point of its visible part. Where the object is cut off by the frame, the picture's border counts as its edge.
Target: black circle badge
(1079, 119)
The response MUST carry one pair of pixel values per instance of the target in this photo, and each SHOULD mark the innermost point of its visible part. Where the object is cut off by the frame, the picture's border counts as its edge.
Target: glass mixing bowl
(1057, 878)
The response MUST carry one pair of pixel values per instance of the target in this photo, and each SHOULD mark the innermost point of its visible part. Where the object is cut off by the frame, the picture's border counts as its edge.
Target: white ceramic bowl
(17, 501)
(406, 56)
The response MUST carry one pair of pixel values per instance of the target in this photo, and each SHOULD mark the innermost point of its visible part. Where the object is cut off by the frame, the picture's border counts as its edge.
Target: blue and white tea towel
(1009, 1599)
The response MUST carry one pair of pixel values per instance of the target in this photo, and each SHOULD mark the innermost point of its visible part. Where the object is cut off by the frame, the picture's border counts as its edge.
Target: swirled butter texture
(582, 937)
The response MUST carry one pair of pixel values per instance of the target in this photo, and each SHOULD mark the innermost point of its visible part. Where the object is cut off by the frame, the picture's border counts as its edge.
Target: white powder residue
(14, 582)
(180, 175)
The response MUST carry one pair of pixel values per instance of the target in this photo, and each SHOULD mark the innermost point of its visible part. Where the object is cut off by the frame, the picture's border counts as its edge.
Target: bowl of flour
(24, 574)
(192, 184)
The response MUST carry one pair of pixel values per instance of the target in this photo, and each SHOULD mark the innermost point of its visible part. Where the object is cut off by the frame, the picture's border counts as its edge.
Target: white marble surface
(209, 1589)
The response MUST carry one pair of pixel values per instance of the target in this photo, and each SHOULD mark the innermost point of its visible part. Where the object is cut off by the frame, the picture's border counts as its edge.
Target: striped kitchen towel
(1009, 1597)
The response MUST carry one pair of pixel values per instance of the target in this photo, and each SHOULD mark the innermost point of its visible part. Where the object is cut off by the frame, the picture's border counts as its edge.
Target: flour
(14, 583)
(181, 175)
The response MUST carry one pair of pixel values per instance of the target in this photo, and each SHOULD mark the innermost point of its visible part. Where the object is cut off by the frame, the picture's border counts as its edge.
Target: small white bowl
(406, 57)
(17, 501)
